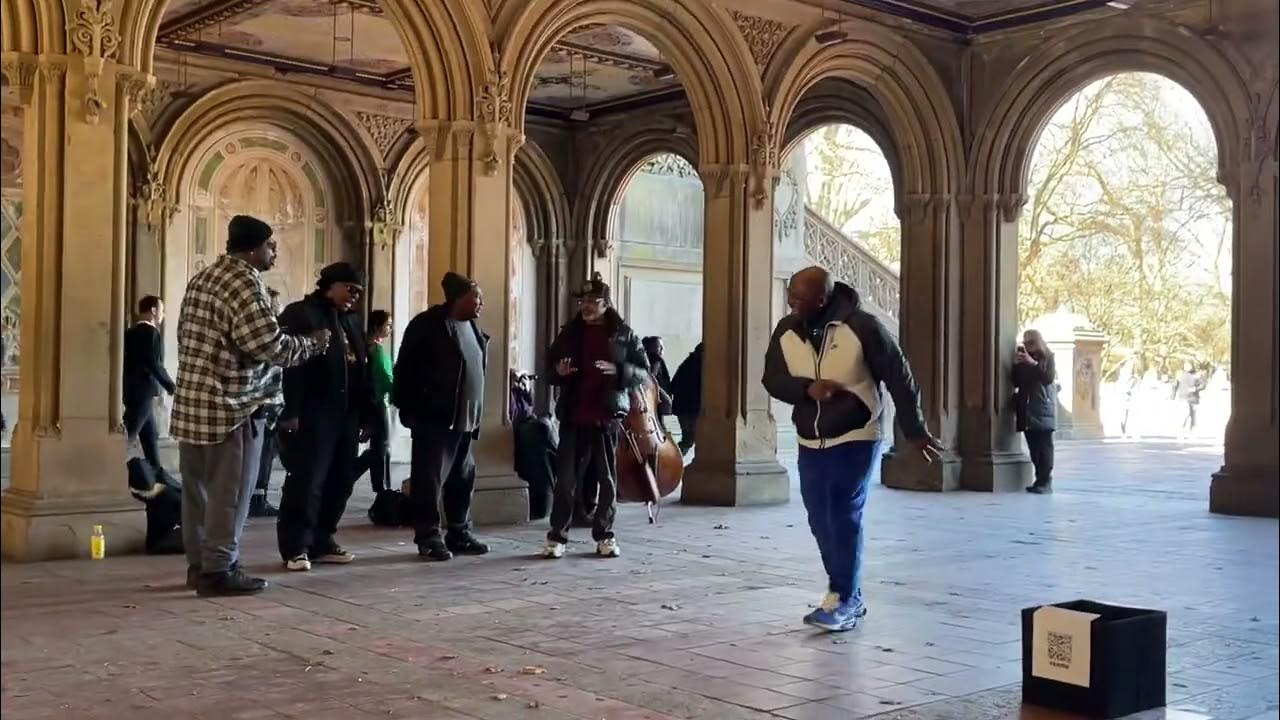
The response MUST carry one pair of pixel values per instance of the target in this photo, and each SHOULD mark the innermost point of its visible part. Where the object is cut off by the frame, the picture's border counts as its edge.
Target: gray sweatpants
(217, 482)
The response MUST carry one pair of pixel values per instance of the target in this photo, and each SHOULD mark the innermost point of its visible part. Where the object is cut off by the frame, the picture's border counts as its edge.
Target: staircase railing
(876, 282)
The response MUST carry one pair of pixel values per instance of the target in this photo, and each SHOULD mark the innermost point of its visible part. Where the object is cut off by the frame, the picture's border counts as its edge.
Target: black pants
(1040, 446)
(315, 494)
(139, 423)
(587, 455)
(443, 469)
(268, 461)
(688, 428)
(376, 459)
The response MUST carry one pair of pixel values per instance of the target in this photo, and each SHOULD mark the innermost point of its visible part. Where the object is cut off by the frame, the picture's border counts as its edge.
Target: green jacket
(380, 366)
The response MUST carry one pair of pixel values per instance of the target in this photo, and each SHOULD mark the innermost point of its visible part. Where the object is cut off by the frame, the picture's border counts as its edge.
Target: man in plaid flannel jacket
(230, 348)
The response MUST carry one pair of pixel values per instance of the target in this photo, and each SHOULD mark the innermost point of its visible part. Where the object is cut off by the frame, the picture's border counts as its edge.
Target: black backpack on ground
(163, 502)
(391, 508)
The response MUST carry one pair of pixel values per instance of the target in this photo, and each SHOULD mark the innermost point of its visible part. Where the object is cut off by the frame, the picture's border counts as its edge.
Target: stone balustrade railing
(876, 282)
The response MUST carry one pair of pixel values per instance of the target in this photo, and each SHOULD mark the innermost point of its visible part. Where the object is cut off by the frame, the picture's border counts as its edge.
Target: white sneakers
(553, 550)
(301, 563)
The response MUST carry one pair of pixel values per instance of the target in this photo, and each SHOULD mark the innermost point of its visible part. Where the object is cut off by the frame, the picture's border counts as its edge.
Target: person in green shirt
(376, 460)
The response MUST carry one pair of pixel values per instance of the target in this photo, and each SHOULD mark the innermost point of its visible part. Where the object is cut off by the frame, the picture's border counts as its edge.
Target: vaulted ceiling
(595, 68)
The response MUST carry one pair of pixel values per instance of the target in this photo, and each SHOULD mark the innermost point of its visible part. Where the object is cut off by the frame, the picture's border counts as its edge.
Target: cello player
(596, 360)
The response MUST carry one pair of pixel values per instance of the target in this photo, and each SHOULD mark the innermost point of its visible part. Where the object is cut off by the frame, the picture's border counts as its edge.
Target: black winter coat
(1035, 395)
(686, 386)
(625, 351)
(322, 385)
(427, 382)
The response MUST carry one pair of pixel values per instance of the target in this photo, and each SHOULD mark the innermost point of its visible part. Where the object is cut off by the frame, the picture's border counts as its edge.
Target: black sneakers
(232, 582)
(434, 550)
(259, 506)
(465, 544)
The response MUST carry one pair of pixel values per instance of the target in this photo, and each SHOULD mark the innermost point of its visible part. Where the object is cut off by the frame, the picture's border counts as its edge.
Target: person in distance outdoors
(1035, 403)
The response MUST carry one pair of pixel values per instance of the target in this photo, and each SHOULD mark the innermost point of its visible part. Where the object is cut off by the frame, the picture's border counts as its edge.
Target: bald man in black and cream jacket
(827, 359)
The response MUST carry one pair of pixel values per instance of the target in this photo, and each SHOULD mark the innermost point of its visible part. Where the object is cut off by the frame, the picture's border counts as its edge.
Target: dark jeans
(587, 456)
(376, 459)
(833, 485)
(688, 432)
(443, 469)
(268, 462)
(139, 423)
(1040, 447)
(315, 495)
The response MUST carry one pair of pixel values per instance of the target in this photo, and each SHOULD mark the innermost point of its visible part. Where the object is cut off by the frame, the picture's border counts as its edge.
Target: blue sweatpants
(834, 483)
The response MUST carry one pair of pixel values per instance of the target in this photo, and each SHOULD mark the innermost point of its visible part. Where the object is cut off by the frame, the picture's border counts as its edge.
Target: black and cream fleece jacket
(852, 349)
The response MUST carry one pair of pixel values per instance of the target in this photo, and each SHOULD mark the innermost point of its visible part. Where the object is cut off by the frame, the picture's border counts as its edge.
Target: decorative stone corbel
(20, 70)
(157, 209)
(602, 246)
(93, 34)
(764, 165)
(1011, 206)
(385, 229)
(538, 245)
(493, 111)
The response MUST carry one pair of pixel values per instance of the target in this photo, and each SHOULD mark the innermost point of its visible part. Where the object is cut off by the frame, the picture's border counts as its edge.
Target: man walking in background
(144, 378)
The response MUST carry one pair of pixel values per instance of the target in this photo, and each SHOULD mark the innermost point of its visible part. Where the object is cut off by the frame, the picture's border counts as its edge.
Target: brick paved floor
(698, 619)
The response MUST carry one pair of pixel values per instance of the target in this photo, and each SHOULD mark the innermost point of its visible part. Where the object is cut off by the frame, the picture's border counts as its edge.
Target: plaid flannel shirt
(230, 351)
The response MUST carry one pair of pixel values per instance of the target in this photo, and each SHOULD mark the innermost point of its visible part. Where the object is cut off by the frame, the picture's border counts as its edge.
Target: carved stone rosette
(762, 35)
(93, 35)
(385, 130)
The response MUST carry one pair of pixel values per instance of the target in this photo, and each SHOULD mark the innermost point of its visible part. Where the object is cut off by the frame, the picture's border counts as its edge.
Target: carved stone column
(68, 452)
(1249, 482)
(929, 332)
(992, 455)
(469, 220)
(736, 460)
(383, 234)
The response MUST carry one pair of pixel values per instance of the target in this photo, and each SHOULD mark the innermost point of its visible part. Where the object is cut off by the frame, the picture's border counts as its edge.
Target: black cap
(455, 286)
(340, 272)
(595, 287)
(245, 233)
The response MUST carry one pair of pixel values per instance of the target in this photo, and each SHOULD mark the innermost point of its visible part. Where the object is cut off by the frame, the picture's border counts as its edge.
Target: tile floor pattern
(698, 619)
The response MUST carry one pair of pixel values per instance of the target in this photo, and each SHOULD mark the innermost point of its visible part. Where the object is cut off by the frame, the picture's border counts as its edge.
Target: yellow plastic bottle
(97, 543)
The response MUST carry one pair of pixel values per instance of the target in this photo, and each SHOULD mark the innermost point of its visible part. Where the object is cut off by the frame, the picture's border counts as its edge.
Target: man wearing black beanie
(327, 401)
(438, 386)
(229, 346)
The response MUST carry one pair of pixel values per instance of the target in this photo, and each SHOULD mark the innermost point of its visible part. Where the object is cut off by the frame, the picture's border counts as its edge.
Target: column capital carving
(157, 207)
(136, 85)
(721, 180)
(20, 69)
(915, 207)
(445, 137)
(1011, 205)
(385, 229)
(602, 246)
(493, 114)
(93, 35)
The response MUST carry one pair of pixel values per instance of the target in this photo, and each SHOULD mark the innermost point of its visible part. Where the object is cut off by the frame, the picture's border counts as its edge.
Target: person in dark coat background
(438, 385)
(144, 378)
(1035, 399)
(327, 403)
(686, 403)
(654, 351)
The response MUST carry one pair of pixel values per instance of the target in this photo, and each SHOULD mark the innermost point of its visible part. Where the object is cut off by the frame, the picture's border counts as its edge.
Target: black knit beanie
(245, 234)
(455, 286)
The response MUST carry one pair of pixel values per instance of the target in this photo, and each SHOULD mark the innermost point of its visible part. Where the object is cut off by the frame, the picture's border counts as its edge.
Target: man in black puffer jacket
(438, 385)
(327, 401)
(827, 359)
(596, 361)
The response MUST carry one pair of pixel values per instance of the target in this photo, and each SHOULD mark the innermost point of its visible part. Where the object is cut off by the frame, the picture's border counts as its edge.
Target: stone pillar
(469, 229)
(736, 461)
(991, 452)
(383, 234)
(928, 333)
(68, 450)
(1077, 348)
(1249, 481)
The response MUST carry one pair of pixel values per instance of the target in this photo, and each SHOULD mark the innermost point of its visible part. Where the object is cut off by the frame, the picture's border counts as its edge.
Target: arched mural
(270, 175)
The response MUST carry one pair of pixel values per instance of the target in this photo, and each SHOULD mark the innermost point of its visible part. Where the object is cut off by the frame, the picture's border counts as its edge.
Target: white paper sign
(1060, 645)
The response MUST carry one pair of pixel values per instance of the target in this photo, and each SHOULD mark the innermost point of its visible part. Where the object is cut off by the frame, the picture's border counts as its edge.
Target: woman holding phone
(1036, 404)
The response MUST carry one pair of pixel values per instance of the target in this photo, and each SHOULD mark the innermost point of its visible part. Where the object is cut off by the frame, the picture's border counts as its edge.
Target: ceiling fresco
(590, 68)
(974, 16)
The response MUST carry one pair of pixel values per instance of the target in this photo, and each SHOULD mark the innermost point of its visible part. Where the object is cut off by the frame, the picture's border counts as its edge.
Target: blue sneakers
(836, 616)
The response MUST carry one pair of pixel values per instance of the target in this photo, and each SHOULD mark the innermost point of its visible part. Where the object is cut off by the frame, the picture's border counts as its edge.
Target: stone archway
(1244, 127)
(913, 119)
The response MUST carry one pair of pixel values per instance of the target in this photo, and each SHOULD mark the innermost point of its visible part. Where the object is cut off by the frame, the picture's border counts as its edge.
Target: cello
(650, 466)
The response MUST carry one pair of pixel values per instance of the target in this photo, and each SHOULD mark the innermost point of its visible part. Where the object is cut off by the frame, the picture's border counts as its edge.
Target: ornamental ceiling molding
(763, 35)
(385, 130)
(93, 35)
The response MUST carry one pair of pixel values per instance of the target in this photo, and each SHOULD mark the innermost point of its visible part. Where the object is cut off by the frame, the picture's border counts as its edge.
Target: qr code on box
(1059, 650)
